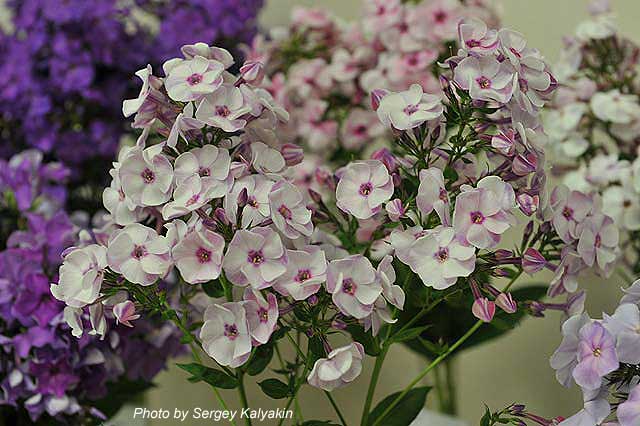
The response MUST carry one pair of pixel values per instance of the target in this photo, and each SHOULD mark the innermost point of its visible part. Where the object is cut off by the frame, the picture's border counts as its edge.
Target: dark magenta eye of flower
(231, 331)
(303, 275)
(255, 257)
(194, 79)
(148, 176)
(203, 255)
(483, 82)
(139, 252)
(598, 241)
(440, 16)
(223, 110)
(476, 217)
(360, 130)
(365, 189)
(524, 85)
(410, 109)
(285, 212)
(251, 201)
(348, 286)
(473, 43)
(263, 315)
(204, 171)
(567, 212)
(443, 194)
(442, 254)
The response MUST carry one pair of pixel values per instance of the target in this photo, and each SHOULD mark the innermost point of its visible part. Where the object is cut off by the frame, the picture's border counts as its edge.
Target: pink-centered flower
(191, 79)
(432, 194)
(210, 163)
(306, 271)
(354, 285)
(255, 258)
(476, 38)
(146, 176)
(569, 208)
(225, 334)
(198, 256)
(256, 209)
(598, 242)
(409, 109)
(289, 211)
(81, 275)
(486, 78)
(224, 109)
(342, 366)
(596, 356)
(139, 254)
(125, 312)
(363, 187)
(262, 314)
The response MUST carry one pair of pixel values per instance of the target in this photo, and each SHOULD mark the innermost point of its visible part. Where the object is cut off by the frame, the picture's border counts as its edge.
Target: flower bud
(312, 300)
(376, 97)
(387, 158)
(533, 261)
(252, 72)
(506, 303)
(395, 209)
(483, 309)
(315, 196)
(221, 216)
(293, 154)
(524, 164)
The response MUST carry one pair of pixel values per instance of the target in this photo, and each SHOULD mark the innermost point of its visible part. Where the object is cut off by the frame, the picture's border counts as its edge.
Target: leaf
(216, 378)
(409, 334)
(404, 412)
(260, 359)
(453, 317)
(213, 288)
(370, 344)
(275, 389)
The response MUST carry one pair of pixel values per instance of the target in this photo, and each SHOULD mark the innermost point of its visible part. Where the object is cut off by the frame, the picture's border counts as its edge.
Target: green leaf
(260, 359)
(275, 389)
(409, 334)
(213, 288)
(315, 351)
(404, 412)
(486, 418)
(216, 378)
(370, 344)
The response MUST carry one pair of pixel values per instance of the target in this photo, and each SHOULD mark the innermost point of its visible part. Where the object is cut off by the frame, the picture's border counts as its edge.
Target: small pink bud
(338, 324)
(312, 300)
(395, 209)
(315, 196)
(293, 154)
(533, 261)
(243, 197)
(221, 215)
(503, 254)
(524, 164)
(252, 72)
(483, 309)
(506, 303)
(125, 312)
(444, 82)
(387, 158)
(528, 204)
(376, 97)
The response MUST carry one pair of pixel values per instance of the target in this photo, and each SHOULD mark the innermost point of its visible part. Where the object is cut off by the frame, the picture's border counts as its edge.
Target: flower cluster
(323, 70)
(603, 358)
(68, 66)
(46, 373)
(594, 122)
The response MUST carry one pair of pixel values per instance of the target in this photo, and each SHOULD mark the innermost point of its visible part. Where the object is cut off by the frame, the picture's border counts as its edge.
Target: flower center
(255, 257)
(440, 16)
(476, 217)
(410, 109)
(597, 352)
(443, 195)
(252, 202)
(148, 176)
(524, 85)
(473, 43)
(567, 212)
(194, 79)
(204, 171)
(139, 252)
(365, 189)
(263, 315)
(222, 110)
(303, 275)
(203, 255)
(231, 331)
(285, 212)
(348, 286)
(360, 130)
(442, 254)
(483, 82)
(598, 241)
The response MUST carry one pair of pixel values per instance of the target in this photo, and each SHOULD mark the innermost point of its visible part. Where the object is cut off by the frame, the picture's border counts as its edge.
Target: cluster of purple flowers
(45, 371)
(67, 66)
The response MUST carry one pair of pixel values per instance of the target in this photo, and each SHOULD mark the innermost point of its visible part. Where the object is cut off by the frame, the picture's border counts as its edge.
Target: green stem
(372, 385)
(451, 386)
(335, 407)
(440, 391)
(430, 367)
(243, 396)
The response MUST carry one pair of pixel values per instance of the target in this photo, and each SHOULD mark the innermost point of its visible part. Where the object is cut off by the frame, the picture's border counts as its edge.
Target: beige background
(511, 369)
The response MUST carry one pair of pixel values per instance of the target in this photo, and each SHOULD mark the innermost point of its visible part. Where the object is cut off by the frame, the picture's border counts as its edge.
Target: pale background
(510, 369)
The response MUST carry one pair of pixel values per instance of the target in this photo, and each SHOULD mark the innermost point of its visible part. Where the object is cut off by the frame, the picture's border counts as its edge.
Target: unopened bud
(252, 72)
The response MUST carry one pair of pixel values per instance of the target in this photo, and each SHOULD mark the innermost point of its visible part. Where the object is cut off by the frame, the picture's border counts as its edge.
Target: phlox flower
(596, 356)
(223, 109)
(191, 79)
(432, 194)
(146, 176)
(139, 254)
(486, 79)
(81, 276)
(211, 163)
(342, 366)
(262, 314)
(256, 210)
(354, 285)
(125, 312)
(363, 187)
(306, 271)
(615, 107)
(628, 412)
(255, 257)
(598, 243)
(198, 256)
(289, 211)
(569, 208)
(565, 359)
(409, 109)
(225, 334)
(476, 38)
(624, 325)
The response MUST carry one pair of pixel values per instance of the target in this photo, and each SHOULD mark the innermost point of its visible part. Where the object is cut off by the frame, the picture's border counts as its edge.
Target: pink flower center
(473, 43)
(360, 130)
(223, 110)
(231, 331)
(204, 171)
(515, 52)
(194, 79)
(348, 286)
(410, 109)
(139, 252)
(203, 255)
(365, 189)
(263, 315)
(440, 16)
(442, 255)
(251, 201)
(443, 195)
(148, 176)
(598, 241)
(524, 85)
(483, 82)
(255, 257)
(285, 212)
(567, 212)
(476, 218)
(303, 275)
